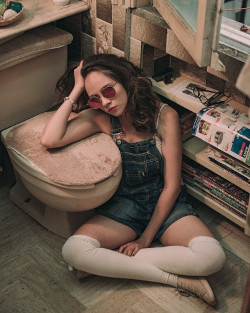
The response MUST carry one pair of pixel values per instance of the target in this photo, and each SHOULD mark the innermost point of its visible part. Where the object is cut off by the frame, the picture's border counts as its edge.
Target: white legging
(203, 256)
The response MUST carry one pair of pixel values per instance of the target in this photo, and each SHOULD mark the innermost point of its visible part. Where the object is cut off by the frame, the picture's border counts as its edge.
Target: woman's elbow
(174, 189)
(47, 143)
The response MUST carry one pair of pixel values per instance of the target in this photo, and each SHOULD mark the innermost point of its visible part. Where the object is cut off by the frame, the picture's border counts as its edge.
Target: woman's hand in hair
(79, 81)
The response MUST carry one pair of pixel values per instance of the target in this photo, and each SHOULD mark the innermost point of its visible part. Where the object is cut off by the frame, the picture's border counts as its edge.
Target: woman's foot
(197, 286)
(77, 273)
(81, 274)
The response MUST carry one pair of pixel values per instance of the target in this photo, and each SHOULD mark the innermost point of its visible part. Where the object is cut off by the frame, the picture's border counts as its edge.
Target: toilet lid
(85, 162)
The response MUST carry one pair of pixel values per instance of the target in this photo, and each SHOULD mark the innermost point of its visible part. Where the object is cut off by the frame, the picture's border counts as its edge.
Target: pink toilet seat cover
(85, 162)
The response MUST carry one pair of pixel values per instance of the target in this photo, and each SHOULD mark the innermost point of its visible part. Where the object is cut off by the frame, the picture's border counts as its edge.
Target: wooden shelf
(216, 206)
(37, 13)
(196, 149)
(173, 93)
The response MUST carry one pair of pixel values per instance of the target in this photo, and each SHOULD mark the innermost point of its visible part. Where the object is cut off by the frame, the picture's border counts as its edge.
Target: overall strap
(116, 128)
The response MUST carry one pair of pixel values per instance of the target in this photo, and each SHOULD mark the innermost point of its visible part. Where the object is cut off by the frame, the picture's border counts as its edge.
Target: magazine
(225, 128)
(193, 169)
(230, 164)
(217, 188)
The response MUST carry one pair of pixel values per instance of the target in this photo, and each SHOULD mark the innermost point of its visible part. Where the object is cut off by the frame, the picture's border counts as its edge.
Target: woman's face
(95, 82)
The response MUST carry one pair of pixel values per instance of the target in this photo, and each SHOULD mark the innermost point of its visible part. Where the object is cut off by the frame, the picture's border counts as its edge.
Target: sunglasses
(108, 92)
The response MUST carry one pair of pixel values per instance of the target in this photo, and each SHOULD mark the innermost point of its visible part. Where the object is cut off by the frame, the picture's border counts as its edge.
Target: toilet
(59, 188)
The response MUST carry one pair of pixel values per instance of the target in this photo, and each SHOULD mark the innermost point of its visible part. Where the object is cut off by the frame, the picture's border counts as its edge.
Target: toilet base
(61, 223)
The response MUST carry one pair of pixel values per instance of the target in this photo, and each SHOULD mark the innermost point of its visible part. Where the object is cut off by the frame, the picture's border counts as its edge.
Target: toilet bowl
(59, 188)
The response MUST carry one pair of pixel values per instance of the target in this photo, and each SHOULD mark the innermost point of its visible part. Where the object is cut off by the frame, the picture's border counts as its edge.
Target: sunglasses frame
(99, 98)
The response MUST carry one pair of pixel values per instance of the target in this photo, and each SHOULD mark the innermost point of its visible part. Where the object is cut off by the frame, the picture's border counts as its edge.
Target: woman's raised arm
(63, 128)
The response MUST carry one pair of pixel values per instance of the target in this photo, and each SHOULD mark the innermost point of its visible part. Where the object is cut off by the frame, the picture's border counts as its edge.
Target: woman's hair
(142, 101)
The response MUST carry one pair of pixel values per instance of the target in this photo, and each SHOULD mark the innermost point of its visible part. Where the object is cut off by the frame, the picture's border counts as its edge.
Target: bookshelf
(196, 150)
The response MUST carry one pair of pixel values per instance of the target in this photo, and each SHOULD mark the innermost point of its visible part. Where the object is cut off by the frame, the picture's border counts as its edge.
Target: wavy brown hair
(142, 101)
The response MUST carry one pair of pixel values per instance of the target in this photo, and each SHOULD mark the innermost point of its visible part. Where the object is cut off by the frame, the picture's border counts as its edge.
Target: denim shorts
(137, 216)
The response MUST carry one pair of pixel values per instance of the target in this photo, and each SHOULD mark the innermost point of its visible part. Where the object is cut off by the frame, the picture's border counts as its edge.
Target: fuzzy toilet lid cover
(85, 162)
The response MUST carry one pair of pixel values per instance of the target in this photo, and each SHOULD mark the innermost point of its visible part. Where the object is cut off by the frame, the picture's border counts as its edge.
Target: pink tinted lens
(94, 102)
(108, 92)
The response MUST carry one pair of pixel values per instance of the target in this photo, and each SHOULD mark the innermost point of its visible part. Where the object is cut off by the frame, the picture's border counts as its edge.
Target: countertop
(41, 12)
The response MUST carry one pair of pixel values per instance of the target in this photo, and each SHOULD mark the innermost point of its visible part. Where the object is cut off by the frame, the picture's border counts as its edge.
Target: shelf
(174, 93)
(216, 206)
(37, 13)
(195, 149)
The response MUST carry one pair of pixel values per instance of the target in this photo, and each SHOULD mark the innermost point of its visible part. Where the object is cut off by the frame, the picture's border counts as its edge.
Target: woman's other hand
(131, 248)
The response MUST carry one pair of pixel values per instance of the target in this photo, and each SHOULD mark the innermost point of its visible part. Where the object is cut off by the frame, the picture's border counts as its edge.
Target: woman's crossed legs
(189, 249)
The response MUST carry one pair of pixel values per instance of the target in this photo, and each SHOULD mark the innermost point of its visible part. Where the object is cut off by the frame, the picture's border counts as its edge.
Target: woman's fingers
(78, 76)
(129, 249)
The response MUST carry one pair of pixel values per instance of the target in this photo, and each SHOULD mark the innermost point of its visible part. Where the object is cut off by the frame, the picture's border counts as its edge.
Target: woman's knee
(210, 255)
(78, 249)
(217, 261)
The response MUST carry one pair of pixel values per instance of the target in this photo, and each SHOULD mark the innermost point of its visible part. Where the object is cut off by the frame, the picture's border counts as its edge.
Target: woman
(150, 203)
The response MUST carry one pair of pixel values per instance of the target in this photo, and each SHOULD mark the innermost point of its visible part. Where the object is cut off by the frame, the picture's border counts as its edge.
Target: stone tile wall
(142, 36)
(103, 29)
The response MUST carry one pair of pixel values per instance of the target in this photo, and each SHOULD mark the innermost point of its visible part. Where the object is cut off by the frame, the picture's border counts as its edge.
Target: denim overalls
(141, 185)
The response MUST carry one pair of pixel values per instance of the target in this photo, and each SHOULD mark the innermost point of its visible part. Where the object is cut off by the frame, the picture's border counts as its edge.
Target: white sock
(84, 253)
(203, 256)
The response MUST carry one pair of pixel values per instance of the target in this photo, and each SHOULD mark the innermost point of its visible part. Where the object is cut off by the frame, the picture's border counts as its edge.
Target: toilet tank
(30, 66)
